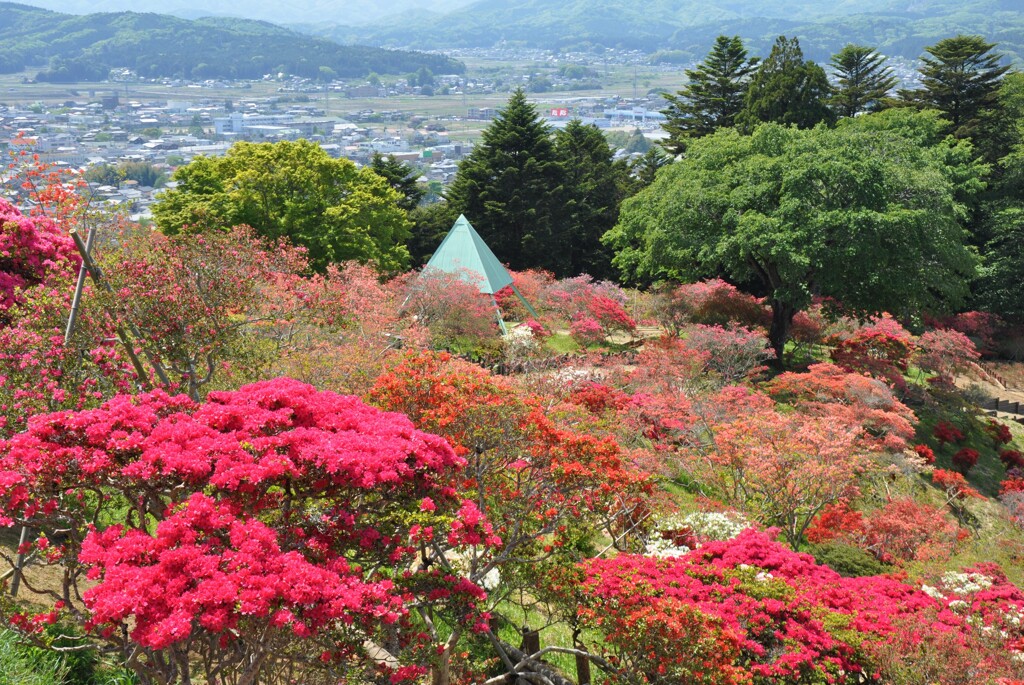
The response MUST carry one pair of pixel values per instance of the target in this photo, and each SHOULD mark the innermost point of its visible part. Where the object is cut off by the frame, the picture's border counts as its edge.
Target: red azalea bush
(711, 303)
(1012, 459)
(946, 432)
(272, 520)
(451, 306)
(966, 459)
(901, 530)
(881, 349)
(982, 327)
(750, 610)
(954, 485)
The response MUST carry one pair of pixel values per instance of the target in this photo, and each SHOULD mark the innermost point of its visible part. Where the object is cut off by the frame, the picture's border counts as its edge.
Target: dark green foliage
(292, 191)
(401, 177)
(594, 186)
(863, 80)
(645, 169)
(786, 89)
(86, 47)
(430, 224)
(863, 213)
(712, 98)
(960, 78)
(510, 189)
(847, 560)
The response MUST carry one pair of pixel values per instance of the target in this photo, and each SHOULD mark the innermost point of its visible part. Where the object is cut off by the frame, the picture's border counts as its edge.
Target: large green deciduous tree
(786, 89)
(863, 213)
(291, 190)
(712, 98)
(510, 188)
(960, 77)
(863, 80)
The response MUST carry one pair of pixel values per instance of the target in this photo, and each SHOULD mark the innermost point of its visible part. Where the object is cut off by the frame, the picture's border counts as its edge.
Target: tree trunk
(782, 323)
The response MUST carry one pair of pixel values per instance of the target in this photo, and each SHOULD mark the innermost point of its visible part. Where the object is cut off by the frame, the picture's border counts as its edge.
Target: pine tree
(594, 187)
(786, 89)
(960, 78)
(712, 98)
(863, 80)
(509, 187)
(401, 177)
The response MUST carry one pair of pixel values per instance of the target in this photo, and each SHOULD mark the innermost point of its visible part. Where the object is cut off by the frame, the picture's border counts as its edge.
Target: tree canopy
(864, 214)
(291, 190)
(786, 89)
(863, 80)
(960, 77)
(713, 97)
(509, 188)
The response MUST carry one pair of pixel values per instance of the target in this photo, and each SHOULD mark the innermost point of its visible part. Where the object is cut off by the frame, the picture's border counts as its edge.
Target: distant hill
(897, 27)
(86, 47)
(352, 12)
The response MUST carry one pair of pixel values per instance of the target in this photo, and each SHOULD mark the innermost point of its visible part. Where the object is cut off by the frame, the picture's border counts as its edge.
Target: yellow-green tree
(291, 190)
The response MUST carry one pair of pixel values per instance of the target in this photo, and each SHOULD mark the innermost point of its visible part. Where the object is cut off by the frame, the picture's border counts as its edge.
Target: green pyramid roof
(464, 249)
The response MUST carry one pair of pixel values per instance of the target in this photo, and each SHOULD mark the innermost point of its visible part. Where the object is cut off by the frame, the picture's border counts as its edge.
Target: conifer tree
(786, 89)
(863, 80)
(509, 187)
(594, 186)
(960, 78)
(401, 177)
(712, 98)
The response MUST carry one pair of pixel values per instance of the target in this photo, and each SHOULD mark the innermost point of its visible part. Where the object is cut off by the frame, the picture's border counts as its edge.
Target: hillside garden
(267, 452)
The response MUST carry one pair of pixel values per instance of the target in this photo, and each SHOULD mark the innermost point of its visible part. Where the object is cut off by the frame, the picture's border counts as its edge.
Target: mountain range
(896, 27)
(351, 12)
(86, 47)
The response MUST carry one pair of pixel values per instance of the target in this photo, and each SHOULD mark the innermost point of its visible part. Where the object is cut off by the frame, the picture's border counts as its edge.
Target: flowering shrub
(881, 349)
(926, 453)
(1012, 459)
(733, 353)
(750, 610)
(826, 390)
(259, 523)
(965, 459)
(580, 298)
(946, 353)
(946, 432)
(451, 306)
(31, 249)
(782, 468)
(901, 530)
(711, 303)
(981, 327)
(586, 330)
(954, 485)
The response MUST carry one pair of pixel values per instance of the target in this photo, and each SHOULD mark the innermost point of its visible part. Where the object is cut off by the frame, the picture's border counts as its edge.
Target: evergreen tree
(712, 98)
(645, 170)
(863, 80)
(401, 177)
(786, 89)
(594, 187)
(509, 187)
(960, 78)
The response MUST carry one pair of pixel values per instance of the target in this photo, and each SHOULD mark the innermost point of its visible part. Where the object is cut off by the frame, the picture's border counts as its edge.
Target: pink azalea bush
(268, 520)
